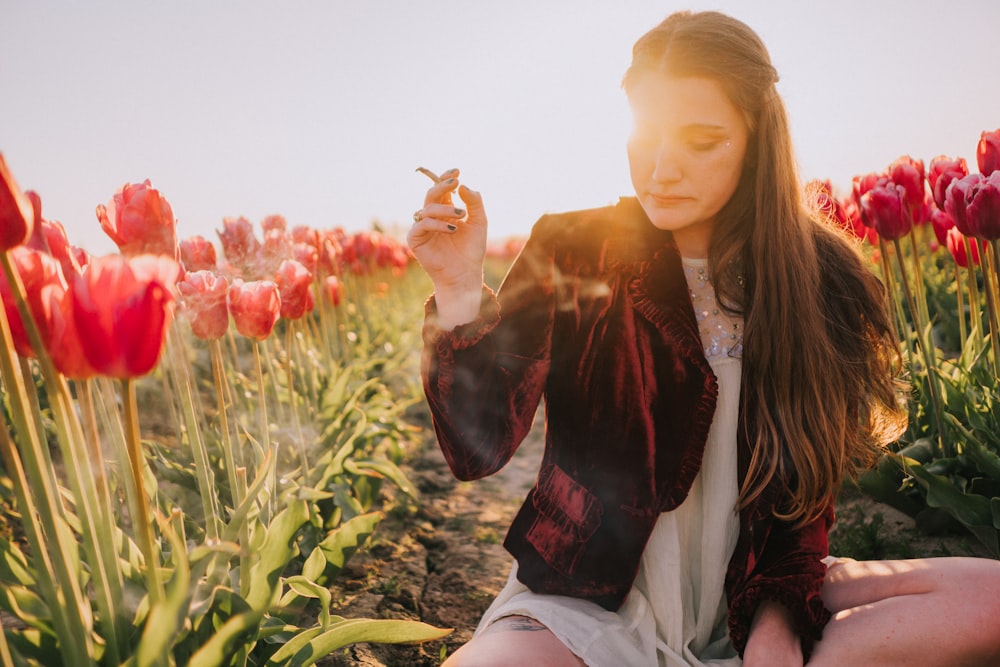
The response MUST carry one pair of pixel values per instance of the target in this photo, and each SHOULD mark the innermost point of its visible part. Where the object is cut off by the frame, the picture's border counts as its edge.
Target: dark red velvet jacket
(595, 316)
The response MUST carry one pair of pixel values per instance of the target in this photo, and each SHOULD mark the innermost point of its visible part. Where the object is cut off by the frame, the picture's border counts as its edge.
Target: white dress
(675, 614)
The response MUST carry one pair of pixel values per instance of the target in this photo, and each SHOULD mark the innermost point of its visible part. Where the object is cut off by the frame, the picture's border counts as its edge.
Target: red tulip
(942, 172)
(59, 247)
(860, 185)
(122, 308)
(956, 246)
(44, 288)
(203, 297)
(956, 200)
(140, 221)
(909, 173)
(197, 254)
(275, 249)
(16, 216)
(239, 244)
(255, 307)
(982, 207)
(294, 285)
(885, 207)
(333, 290)
(941, 222)
(307, 255)
(988, 152)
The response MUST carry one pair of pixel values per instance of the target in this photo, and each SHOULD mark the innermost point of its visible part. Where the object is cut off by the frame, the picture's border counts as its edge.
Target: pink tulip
(956, 201)
(942, 172)
(59, 246)
(295, 287)
(956, 246)
(941, 222)
(44, 288)
(909, 173)
(255, 307)
(307, 255)
(982, 207)
(886, 208)
(16, 215)
(988, 152)
(860, 185)
(203, 297)
(122, 308)
(140, 221)
(198, 254)
(239, 244)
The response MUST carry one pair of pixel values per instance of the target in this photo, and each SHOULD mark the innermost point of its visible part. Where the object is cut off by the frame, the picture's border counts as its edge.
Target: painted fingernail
(459, 211)
(450, 181)
(450, 171)
(452, 228)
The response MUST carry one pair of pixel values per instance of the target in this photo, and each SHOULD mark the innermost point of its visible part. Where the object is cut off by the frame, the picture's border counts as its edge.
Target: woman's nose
(667, 167)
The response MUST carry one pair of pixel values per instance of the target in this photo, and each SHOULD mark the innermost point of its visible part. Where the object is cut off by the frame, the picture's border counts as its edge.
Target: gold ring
(418, 215)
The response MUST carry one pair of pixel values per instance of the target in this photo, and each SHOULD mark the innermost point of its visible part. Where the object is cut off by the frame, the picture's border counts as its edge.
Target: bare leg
(927, 612)
(514, 640)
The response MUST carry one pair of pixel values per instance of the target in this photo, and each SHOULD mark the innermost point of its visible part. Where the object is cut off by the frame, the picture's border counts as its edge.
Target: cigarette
(429, 174)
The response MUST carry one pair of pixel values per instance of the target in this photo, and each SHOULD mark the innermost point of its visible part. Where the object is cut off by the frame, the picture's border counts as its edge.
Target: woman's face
(685, 154)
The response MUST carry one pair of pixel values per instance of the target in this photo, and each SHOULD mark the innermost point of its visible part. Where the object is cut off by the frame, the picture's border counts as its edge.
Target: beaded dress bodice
(721, 333)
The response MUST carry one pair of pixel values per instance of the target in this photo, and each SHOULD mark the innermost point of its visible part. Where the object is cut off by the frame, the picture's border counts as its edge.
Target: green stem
(52, 546)
(975, 308)
(927, 352)
(221, 393)
(293, 403)
(990, 268)
(144, 520)
(963, 334)
(265, 428)
(203, 471)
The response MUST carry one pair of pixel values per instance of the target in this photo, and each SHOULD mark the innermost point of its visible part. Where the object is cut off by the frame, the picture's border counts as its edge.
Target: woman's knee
(514, 640)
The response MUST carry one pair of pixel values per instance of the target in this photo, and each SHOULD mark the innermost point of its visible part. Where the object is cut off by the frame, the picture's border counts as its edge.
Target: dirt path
(442, 564)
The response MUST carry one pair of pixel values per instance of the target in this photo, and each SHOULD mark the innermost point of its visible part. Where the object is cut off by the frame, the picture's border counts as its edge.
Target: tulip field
(199, 435)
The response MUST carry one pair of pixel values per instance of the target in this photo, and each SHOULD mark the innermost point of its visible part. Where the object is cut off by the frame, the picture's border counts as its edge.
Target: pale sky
(321, 110)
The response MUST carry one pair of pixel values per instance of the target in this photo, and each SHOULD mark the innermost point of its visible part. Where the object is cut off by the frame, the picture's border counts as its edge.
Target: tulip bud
(982, 207)
(956, 246)
(255, 307)
(956, 199)
(203, 295)
(239, 244)
(941, 222)
(122, 308)
(942, 172)
(197, 254)
(140, 221)
(886, 208)
(16, 216)
(909, 173)
(988, 152)
(333, 290)
(294, 284)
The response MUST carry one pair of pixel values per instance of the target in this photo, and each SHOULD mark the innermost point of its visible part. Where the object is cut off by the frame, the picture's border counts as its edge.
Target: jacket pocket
(568, 516)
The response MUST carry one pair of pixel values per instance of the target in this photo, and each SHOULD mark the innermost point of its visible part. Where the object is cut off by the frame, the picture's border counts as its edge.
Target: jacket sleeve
(785, 566)
(483, 380)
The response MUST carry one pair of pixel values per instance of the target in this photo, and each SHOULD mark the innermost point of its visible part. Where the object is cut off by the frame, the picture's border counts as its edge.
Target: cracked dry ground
(442, 563)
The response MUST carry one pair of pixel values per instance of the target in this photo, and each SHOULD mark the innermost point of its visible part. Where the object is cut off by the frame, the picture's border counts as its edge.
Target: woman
(713, 361)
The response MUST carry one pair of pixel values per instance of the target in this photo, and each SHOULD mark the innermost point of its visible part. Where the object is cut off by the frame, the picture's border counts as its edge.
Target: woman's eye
(703, 146)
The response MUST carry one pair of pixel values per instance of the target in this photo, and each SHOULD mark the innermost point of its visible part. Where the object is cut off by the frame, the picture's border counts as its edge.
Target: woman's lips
(669, 200)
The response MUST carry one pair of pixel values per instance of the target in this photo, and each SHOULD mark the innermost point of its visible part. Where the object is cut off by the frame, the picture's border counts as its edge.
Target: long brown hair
(820, 360)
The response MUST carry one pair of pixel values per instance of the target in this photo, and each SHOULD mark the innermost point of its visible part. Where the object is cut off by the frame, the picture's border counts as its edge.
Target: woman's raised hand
(449, 241)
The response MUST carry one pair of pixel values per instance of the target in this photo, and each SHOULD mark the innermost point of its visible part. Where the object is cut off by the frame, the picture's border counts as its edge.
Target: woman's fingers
(442, 190)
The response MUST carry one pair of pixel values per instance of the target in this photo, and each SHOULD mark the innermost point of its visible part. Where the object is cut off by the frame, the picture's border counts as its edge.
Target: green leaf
(311, 645)
(14, 565)
(384, 468)
(337, 547)
(166, 617)
(276, 551)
